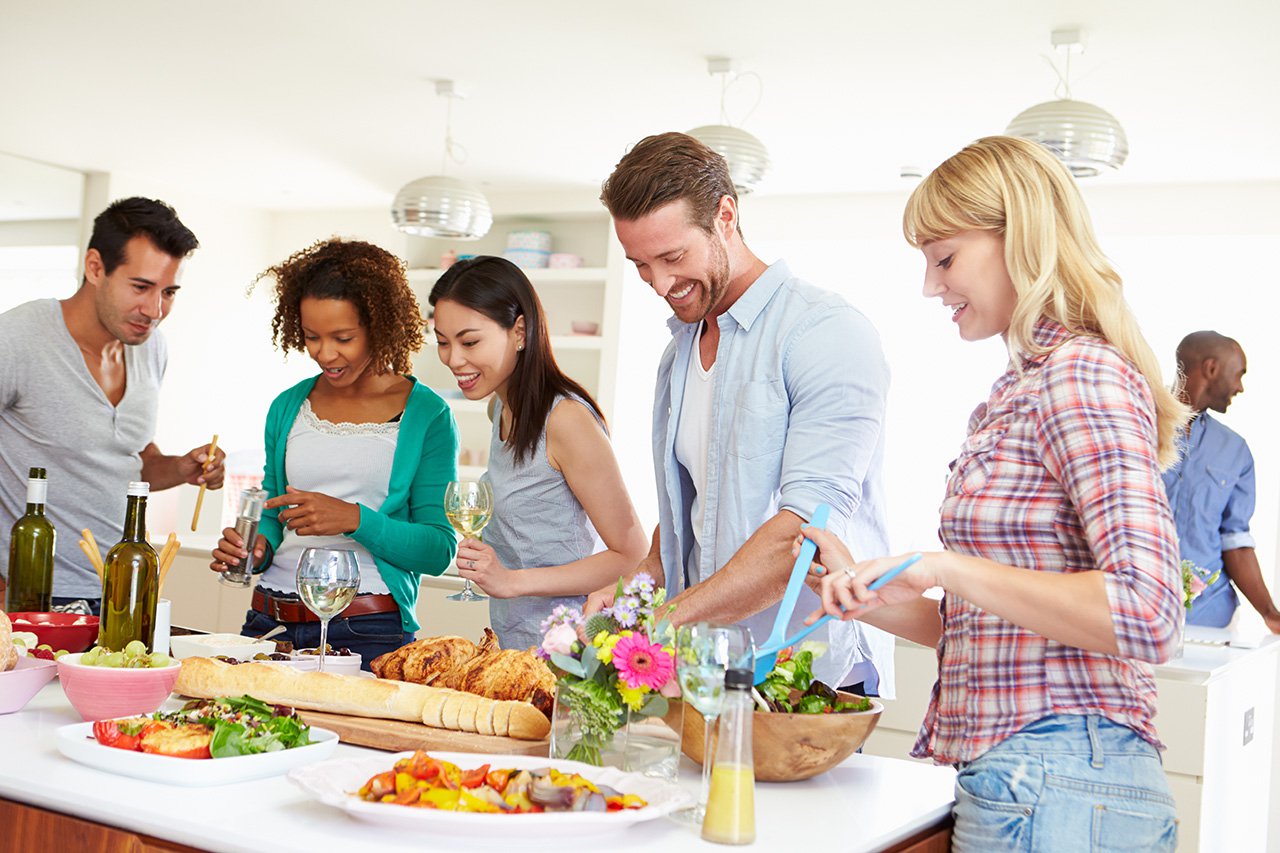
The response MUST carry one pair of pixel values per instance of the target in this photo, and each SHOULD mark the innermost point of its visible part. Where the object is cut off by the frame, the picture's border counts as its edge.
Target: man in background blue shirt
(1211, 489)
(770, 400)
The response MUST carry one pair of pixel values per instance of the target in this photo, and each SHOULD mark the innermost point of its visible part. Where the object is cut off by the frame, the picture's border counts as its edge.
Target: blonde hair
(1018, 189)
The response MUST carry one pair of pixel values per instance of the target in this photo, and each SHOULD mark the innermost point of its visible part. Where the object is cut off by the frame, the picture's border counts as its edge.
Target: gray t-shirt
(54, 415)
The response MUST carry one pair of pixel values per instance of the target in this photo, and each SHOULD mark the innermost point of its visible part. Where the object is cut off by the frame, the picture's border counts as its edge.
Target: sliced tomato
(474, 778)
(420, 766)
(497, 779)
(177, 741)
(109, 733)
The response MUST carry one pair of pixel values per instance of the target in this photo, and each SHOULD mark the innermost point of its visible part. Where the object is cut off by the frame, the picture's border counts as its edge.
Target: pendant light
(441, 206)
(747, 157)
(1086, 138)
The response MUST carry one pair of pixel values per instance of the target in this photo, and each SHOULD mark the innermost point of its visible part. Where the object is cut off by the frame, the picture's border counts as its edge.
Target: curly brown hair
(370, 278)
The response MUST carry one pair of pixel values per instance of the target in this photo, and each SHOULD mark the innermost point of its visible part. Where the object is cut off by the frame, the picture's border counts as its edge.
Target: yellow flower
(599, 639)
(633, 696)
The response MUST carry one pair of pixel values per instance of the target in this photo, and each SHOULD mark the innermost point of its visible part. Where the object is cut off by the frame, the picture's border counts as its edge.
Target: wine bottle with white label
(31, 544)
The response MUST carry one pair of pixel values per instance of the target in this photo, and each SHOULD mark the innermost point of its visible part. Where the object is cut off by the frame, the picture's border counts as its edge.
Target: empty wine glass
(468, 504)
(328, 580)
(704, 652)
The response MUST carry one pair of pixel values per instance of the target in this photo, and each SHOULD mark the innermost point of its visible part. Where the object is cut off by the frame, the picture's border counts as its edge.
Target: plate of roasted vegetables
(506, 796)
(204, 742)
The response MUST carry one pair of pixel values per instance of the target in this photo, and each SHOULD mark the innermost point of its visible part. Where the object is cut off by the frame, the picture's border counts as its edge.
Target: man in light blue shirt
(770, 400)
(1211, 489)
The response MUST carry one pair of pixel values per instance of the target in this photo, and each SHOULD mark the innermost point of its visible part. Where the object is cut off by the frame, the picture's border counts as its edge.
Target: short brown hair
(665, 168)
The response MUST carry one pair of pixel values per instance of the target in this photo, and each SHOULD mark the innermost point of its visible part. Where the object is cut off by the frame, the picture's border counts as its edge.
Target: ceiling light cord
(727, 80)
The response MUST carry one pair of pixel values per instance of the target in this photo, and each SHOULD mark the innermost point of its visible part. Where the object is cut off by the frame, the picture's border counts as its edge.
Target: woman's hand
(843, 583)
(478, 563)
(230, 550)
(314, 513)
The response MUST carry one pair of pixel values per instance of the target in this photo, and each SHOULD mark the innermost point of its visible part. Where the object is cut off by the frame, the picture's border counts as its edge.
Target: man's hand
(192, 467)
(314, 513)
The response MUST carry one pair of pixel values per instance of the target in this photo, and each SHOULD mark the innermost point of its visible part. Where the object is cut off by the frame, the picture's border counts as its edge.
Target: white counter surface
(865, 804)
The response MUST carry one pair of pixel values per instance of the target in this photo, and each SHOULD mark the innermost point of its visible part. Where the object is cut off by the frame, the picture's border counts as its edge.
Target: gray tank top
(537, 521)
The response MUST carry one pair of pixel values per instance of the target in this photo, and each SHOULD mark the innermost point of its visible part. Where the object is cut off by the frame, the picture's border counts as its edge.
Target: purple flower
(626, 611)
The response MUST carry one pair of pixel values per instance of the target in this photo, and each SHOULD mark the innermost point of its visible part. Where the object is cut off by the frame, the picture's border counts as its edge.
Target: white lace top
(351, 462)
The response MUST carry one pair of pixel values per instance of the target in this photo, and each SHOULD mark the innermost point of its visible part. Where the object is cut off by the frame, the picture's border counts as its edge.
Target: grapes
(134, 656)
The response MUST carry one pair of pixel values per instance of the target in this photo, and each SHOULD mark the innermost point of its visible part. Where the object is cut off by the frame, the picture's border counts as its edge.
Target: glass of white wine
(704, 652)
(328, 580)
(468, 504)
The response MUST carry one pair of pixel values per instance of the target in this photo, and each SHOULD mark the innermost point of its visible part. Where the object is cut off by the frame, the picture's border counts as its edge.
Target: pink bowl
(19, 684)
(104, 692)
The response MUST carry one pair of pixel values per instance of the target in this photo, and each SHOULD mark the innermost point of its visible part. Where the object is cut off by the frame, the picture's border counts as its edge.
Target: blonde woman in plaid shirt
(1060, 573)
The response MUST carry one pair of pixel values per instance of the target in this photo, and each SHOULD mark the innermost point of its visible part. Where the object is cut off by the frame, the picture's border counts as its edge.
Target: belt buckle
(273, 607)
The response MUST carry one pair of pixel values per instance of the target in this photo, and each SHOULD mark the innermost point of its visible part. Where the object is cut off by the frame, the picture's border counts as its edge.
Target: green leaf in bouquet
(570, 665)
(590, 662)
(655, 706)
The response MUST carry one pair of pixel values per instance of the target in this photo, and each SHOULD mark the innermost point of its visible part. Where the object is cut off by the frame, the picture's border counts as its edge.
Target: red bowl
(106, 692)
(19, 684)
(71, 631)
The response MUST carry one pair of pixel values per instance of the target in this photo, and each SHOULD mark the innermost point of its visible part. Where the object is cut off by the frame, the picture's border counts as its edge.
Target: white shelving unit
(590, 293)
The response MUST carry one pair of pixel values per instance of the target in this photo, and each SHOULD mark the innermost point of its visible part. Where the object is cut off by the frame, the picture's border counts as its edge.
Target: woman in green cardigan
(357, 458)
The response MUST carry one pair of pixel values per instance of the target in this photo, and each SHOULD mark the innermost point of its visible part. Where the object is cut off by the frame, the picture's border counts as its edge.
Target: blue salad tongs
(767, 655)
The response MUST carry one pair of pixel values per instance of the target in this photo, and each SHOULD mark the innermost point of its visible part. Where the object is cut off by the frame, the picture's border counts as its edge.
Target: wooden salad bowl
(788, 747)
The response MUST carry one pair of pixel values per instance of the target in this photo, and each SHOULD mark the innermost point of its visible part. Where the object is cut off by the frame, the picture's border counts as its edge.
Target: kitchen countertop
(865, 804)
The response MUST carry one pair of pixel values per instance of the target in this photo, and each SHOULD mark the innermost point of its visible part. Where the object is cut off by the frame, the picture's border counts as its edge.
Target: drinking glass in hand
(703, 653)
(468, 505)
(327, 582)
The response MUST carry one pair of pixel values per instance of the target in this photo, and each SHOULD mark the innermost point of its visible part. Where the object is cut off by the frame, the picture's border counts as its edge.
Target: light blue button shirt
(1211, 492)
(797, 419)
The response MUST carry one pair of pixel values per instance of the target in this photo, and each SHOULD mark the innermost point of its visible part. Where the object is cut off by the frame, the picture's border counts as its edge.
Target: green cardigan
(409, 535)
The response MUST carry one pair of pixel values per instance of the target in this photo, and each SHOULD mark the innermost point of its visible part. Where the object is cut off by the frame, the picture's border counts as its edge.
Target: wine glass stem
(324, 641)
(708, 757)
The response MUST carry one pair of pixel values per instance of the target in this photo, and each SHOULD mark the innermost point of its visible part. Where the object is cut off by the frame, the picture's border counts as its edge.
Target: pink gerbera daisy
(641, 663)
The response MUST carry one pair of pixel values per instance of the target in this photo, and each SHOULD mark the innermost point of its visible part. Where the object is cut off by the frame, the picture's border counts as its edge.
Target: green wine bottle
(130, 580)
(31, 552)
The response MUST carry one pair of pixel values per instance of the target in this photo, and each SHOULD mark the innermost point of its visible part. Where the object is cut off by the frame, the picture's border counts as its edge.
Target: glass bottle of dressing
(31, 545)
(130, 580)
(731, 804)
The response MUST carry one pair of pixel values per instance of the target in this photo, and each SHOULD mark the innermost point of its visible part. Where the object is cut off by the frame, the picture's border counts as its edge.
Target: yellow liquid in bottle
(731, 805)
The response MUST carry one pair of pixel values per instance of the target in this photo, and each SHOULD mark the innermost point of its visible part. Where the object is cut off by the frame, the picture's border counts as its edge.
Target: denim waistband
(1076, 734)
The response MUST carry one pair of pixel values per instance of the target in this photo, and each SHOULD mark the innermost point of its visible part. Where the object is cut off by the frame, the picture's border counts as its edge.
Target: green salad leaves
(791, 688)
(246, 726)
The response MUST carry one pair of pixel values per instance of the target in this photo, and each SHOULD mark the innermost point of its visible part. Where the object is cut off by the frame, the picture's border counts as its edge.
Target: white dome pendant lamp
(1086, 138)
(747, 157)
(441, 206)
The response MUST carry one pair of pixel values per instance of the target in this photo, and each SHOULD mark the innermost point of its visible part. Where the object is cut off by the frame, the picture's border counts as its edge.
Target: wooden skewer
(213, 452)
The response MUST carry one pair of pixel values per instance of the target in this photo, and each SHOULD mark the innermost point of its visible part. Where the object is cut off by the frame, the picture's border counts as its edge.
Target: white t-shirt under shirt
(692, 437)
(350, 462)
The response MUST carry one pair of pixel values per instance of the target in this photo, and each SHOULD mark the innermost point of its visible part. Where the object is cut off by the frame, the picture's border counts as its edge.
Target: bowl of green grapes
(102, 684)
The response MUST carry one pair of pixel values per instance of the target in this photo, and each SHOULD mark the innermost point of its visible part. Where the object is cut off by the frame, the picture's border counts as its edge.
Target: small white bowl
(585, 327)
(212, 645)
(337, 664)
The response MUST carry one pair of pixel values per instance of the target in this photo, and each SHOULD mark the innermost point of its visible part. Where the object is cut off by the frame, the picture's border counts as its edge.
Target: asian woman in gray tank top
(557, 487)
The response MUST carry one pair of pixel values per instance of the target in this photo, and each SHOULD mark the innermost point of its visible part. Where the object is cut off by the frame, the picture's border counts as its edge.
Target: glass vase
(640, 744)
(1182, 633)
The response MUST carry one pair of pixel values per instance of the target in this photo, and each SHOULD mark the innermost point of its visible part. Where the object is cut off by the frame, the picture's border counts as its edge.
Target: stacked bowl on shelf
(530, 250)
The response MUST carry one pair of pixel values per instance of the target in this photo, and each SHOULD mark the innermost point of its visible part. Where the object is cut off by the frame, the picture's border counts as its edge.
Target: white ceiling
(327, 103)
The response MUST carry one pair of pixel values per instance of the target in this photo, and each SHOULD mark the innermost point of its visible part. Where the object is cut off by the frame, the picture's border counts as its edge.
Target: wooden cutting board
(397, 736)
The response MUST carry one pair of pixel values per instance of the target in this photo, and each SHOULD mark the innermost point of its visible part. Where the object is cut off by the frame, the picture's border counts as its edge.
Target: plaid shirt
(1058, 474)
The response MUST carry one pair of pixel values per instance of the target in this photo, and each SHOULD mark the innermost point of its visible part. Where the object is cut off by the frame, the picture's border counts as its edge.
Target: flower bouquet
(1195, 580)
(627, 669)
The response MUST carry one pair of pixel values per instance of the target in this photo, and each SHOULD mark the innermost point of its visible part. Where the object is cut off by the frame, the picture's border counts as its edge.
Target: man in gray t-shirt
(79, 387)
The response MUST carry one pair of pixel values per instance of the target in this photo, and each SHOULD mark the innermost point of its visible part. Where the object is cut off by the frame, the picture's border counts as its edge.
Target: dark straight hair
(499, 290)
(139, 217)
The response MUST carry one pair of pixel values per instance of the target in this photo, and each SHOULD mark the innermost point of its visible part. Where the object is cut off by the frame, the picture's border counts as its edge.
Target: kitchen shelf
(541, 276)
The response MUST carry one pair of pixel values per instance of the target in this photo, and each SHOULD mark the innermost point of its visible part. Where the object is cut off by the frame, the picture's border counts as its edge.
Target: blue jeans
(1065, 783)
(369, 635)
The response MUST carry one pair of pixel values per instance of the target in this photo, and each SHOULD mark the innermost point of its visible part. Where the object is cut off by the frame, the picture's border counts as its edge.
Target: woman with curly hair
(557, 488)
(357, 457)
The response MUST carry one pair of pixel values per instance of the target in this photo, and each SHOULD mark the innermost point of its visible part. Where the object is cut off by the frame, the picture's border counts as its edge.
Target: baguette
(205, 678)
(458, 711)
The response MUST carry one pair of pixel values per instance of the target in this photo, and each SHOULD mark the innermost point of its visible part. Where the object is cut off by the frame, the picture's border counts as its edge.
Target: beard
(712, 285)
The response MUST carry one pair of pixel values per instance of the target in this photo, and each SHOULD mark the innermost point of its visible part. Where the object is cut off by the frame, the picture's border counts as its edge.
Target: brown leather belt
(284, 610)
